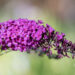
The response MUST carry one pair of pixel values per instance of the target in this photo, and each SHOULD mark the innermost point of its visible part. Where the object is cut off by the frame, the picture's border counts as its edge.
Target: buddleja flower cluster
(30, 35)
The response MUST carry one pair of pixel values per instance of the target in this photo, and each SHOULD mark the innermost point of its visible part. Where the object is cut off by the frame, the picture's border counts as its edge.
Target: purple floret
(30, 35)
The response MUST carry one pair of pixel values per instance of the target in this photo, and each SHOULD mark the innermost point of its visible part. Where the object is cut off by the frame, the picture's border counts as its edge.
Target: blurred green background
(60, 14)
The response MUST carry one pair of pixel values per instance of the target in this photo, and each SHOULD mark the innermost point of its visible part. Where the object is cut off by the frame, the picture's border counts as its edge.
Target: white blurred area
(14, 63)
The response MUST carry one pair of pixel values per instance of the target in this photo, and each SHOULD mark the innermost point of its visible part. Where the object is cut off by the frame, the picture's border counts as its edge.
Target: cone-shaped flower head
(27, 35)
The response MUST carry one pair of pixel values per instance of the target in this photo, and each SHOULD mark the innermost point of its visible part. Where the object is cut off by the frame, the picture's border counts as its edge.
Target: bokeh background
(60, 14)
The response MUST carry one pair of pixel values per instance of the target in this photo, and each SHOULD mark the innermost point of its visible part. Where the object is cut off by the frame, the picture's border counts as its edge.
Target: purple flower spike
(30, 35)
